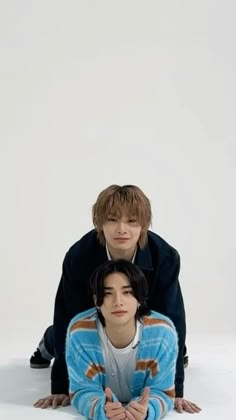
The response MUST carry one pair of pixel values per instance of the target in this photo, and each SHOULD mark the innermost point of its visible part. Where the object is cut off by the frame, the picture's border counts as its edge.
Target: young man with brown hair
(121, 216)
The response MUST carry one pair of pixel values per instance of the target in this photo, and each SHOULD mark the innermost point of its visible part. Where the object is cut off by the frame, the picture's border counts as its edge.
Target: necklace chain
(113, 359)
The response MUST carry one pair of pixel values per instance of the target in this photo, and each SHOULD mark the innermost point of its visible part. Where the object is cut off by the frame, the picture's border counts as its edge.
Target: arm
(59, 375)
(86, 390)
(59, 381)
(171, 304)
(161, 383)
(72, 297)
(162, 386)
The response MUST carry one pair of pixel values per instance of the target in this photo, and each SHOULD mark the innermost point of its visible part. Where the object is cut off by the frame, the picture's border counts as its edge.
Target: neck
(126, 254)
(121, 336)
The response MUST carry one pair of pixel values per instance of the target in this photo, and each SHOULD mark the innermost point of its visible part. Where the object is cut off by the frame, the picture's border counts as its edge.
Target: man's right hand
(54, 401)
(113, 410)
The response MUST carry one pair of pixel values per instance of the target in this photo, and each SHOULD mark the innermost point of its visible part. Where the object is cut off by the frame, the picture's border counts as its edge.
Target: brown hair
(117, 200)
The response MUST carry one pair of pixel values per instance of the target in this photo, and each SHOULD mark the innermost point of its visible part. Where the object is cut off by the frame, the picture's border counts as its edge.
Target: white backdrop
(101, 92)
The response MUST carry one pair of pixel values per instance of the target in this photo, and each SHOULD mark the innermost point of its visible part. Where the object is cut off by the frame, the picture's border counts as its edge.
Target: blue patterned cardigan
(155, 365)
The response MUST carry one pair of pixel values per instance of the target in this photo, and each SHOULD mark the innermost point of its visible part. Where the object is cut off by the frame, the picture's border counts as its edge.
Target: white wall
(102, 92)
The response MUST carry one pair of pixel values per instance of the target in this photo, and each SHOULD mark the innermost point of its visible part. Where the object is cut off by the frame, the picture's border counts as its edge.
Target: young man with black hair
(121, 357)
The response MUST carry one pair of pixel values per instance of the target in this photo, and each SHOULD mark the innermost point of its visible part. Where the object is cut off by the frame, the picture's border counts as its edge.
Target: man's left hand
(182, 405)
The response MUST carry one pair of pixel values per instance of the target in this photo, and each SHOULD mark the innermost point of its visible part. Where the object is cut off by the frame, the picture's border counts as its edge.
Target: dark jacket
(159, 262)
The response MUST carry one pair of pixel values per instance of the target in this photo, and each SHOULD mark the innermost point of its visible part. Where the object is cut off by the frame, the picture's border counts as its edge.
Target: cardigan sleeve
(160, 377)
(86, 389)
(162, 389)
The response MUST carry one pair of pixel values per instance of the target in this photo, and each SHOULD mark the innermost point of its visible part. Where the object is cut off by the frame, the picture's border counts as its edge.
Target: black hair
(136, 279)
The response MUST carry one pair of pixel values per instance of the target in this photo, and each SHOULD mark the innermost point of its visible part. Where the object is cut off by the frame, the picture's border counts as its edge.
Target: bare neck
(121, 336)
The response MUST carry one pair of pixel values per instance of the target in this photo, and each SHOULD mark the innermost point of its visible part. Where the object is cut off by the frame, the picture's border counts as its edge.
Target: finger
(195, 407)
(118, 417)
(108, 393)
(137, 406)
(46, 403)
(55, 402)
(190, 407)
(145, 396)
(129, 416)
(178, 407)
(136, 410)
(111, 413)
(112, 405)
(38, 403)
(41, 402)
(114, 412)
(65, 402)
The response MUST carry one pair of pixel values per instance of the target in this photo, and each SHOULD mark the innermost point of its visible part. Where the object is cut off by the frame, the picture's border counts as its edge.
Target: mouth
(119, 313)
(121, 239)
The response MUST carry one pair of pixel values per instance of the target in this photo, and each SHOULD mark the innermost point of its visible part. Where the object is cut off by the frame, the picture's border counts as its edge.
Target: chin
(125, 245)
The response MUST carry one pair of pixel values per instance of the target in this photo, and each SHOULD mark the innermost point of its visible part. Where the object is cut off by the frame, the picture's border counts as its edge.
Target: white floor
(210, 381)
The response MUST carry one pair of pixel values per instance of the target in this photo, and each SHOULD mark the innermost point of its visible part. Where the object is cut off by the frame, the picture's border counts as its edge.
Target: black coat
(159, 262)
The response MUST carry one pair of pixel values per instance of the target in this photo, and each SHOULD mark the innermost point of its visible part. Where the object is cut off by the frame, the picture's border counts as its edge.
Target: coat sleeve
(59, 375)
(162, 382)
(171, 304)
(63, 313)
(72, 298)
(86, 393)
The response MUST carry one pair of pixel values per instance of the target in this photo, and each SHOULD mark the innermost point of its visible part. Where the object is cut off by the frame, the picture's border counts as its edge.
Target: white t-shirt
(120, 363)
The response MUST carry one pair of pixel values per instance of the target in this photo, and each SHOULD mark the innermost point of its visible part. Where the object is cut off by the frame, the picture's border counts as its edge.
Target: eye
(107, 293)
(128, 292)
(132, 221)
(111, 219)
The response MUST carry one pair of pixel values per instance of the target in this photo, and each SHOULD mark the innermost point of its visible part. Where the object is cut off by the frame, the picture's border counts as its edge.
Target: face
(122, 234)
(119, 305)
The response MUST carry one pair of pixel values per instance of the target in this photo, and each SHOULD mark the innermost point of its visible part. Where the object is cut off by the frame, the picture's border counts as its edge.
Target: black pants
(46, 345)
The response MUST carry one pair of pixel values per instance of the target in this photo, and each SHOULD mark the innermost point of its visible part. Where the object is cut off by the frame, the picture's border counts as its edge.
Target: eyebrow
(123, 287)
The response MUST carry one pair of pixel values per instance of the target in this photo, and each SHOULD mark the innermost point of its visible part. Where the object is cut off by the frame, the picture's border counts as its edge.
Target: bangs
(125, 203)
(131, 212)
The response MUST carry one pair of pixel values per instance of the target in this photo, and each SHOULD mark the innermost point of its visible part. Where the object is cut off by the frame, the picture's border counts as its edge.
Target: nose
(117, 300)
(121, 227)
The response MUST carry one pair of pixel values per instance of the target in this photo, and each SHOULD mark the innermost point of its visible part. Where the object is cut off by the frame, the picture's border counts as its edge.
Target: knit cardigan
(155, 365)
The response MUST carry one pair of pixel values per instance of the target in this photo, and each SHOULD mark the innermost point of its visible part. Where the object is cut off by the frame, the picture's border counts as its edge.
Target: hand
(113, 410)
(53, 400)
(182, 405)
(137, 410)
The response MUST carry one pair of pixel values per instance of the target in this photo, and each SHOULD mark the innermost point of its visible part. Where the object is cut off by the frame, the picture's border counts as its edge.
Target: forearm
(177, 315)
(89, 403)
(159, 404)
(179, 322)
(59, 376)
(179, 376)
